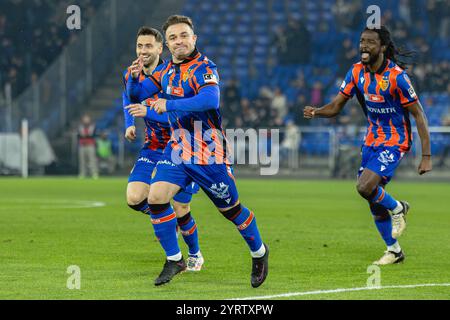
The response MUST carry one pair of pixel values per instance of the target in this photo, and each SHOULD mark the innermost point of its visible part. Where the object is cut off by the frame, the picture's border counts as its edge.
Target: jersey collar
(381, 69)
(194, 55)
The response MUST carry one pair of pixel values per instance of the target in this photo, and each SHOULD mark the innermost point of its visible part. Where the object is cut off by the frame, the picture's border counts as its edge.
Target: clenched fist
(130, 133)
(309, 112)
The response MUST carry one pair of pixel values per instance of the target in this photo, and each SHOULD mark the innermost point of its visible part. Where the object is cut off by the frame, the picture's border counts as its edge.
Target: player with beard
(149, 47)
(387, 98)
(190, 96)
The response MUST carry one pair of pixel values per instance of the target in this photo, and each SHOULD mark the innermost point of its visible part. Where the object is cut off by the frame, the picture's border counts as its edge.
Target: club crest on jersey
(384, 83)
(210, 78)
(186, 75)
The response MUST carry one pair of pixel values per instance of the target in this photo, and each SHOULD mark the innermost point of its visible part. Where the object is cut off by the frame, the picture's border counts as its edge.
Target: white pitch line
(307, 293)
(61, 203)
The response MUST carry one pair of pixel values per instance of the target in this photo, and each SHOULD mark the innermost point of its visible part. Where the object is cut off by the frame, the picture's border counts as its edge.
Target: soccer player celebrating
(149, 47)
(190, 89)
(387, 98)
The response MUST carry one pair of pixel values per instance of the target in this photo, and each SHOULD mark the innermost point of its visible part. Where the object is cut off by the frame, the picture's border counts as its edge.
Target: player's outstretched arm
(139, 91)
(327, 111)
(422, 127)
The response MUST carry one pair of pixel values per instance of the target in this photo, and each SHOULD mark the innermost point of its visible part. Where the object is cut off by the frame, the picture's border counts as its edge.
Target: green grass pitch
(321, 236)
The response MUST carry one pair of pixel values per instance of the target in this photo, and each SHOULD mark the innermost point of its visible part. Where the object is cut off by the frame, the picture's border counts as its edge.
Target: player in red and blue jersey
(387, 97)
(197, 152)
(157, 134)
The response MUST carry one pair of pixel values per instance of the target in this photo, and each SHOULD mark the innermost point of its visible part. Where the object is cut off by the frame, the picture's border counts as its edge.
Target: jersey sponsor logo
(166, 162)
(343, 85)
(146, 160)
(380, 110)
(386, 157)
(382, 168)
(374, 97)
(175, 91)
(384, 83)
(220, 191)
(210, 78)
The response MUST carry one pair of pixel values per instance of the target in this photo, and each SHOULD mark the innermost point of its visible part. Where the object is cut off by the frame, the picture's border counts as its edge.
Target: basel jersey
(193, 132)
(157, 127)
(384, 96)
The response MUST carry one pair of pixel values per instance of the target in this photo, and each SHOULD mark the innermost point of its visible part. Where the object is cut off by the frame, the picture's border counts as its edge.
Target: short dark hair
(176, 19)
(147, 31)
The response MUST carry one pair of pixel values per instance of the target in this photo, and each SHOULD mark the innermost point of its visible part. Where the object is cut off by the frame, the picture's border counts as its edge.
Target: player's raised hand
(137, 110)
(425, 165)
(130, 133)
(309, 112)
(136, 67)
(159, 106)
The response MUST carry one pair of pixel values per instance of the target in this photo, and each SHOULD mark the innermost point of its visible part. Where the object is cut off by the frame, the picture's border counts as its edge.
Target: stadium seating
(241, 40)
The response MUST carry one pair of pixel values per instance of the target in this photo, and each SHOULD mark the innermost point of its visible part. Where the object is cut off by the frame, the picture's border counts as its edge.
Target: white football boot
(195, 262)
(390, 257)
(399, 221)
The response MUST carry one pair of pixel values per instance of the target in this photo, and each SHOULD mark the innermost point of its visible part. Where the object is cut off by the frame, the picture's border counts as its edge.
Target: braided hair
(392, 52)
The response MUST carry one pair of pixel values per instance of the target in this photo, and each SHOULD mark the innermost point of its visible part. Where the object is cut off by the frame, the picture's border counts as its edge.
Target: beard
(373, 58)
(151, 60)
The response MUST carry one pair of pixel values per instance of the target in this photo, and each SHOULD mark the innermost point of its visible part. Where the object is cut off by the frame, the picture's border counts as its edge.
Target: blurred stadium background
(274, 57)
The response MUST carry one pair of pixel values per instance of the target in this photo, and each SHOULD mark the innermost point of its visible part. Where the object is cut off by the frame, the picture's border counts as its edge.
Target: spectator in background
(106, 159)
(348, 54)
(298, 42)
(279, 42)
(446, 151)
(232, 97)
(87, 157)
(404, 12)
(291, 143)
(279, 103)
(317, 94)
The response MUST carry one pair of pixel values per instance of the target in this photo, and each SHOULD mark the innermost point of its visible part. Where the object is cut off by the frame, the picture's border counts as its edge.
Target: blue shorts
(143, 169)
(381, 160)
(216, 180)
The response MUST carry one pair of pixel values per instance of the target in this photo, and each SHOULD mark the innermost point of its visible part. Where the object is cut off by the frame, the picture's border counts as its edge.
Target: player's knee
(134, 199)
(158, 198)
(181, 209)
(232, 213)
(364, 189)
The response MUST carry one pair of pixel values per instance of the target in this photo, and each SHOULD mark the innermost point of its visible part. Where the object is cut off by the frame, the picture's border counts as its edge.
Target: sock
(189, 232)
(142, 207)
(380, 196)
(245, 221)
(259, 253)
(395, 247)
(383, 223)
(164, 223)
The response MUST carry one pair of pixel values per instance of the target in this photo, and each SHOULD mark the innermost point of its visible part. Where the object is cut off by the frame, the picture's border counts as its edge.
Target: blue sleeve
(139, 91)
(207, 99)
(405, 90)
(347, 88)
(129, 119)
